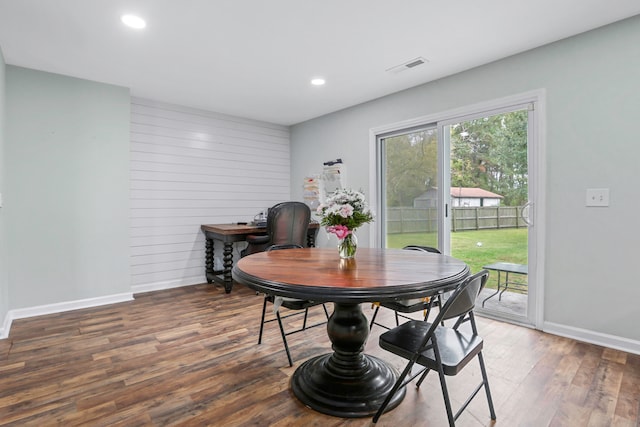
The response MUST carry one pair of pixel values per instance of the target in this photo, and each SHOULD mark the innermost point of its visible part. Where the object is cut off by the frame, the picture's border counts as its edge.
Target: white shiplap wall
(191, 167)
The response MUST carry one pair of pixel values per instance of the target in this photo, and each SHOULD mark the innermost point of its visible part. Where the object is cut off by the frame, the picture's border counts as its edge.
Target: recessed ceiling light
(318, 81)
(133, 21)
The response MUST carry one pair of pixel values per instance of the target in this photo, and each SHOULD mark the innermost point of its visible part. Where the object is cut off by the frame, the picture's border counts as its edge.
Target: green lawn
(507, 245)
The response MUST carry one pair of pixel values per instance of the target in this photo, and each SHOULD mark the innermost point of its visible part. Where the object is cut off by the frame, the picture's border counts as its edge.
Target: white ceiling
(255, 58)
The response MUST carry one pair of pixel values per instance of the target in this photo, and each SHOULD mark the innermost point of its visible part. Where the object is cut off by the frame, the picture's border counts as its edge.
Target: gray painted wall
(66, 188)
(593, 91)
(4, 285)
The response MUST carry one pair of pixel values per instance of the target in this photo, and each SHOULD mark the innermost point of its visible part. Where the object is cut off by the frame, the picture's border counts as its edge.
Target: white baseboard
(6, 326)
(169, 284)
(40, 310)
(605, 340)
(22, 313)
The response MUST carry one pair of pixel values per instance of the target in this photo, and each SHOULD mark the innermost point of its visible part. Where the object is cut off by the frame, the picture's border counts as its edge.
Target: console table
(228, 234)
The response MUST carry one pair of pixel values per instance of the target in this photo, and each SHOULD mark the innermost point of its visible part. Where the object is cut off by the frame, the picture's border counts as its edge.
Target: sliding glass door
(462, 184)
(489, 196)
(409, 193)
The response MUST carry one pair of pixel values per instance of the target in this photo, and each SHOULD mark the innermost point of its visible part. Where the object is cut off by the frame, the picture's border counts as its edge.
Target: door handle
(527, 219)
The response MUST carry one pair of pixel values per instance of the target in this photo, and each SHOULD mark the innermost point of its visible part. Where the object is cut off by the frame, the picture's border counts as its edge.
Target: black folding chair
(444, 349)
(413, 305)
(290, 304)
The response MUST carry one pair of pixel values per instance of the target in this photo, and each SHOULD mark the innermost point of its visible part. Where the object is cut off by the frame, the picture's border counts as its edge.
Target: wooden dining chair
(296, 306)
(413, 305)
(446, 350)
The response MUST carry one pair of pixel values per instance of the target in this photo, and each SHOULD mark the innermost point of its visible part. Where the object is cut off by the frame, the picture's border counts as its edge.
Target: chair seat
(292, 303)
(456, 348)
(256, 243)
(407, 305)
(258, 239)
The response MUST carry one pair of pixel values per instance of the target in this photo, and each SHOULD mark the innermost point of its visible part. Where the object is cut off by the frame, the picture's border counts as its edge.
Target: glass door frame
(535, 102)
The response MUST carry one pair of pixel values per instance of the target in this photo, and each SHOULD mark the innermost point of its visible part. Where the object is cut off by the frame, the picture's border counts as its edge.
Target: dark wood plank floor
(189, 356)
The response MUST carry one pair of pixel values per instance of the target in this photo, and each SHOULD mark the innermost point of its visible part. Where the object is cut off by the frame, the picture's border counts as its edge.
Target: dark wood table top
(232, 228)
(319, 274)
(229, 229)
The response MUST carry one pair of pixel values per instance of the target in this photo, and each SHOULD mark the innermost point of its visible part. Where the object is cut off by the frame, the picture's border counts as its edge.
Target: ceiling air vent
(413, 63)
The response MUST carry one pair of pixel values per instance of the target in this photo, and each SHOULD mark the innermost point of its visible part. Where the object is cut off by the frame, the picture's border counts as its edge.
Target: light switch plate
(597, 197)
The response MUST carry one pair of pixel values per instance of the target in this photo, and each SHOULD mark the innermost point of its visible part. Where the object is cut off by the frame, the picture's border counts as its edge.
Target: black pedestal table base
(346, 383)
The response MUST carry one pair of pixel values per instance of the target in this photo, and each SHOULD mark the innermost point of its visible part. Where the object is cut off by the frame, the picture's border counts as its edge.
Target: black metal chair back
(463, 299)
(412, 305)
(422, 249)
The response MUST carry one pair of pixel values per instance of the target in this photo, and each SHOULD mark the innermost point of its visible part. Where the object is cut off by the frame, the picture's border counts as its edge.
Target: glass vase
(347, 247)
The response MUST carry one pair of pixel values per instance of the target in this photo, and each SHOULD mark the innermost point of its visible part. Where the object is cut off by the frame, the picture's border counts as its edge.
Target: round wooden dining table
(348, 383)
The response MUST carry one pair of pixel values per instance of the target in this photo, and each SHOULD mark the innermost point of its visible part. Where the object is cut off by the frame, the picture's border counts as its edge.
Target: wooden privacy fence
(425, 220)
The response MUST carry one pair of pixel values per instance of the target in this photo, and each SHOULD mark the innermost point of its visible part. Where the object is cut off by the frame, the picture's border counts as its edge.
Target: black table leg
(346, 383)
(506, 285)
(227, 265)
(208, 260)
(495, 293)
(312, 233)
(227, 262)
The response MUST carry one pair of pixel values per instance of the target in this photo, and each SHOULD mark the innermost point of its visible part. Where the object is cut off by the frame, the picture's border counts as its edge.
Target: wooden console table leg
(228, 265)
(311, 238)
(208, 260)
